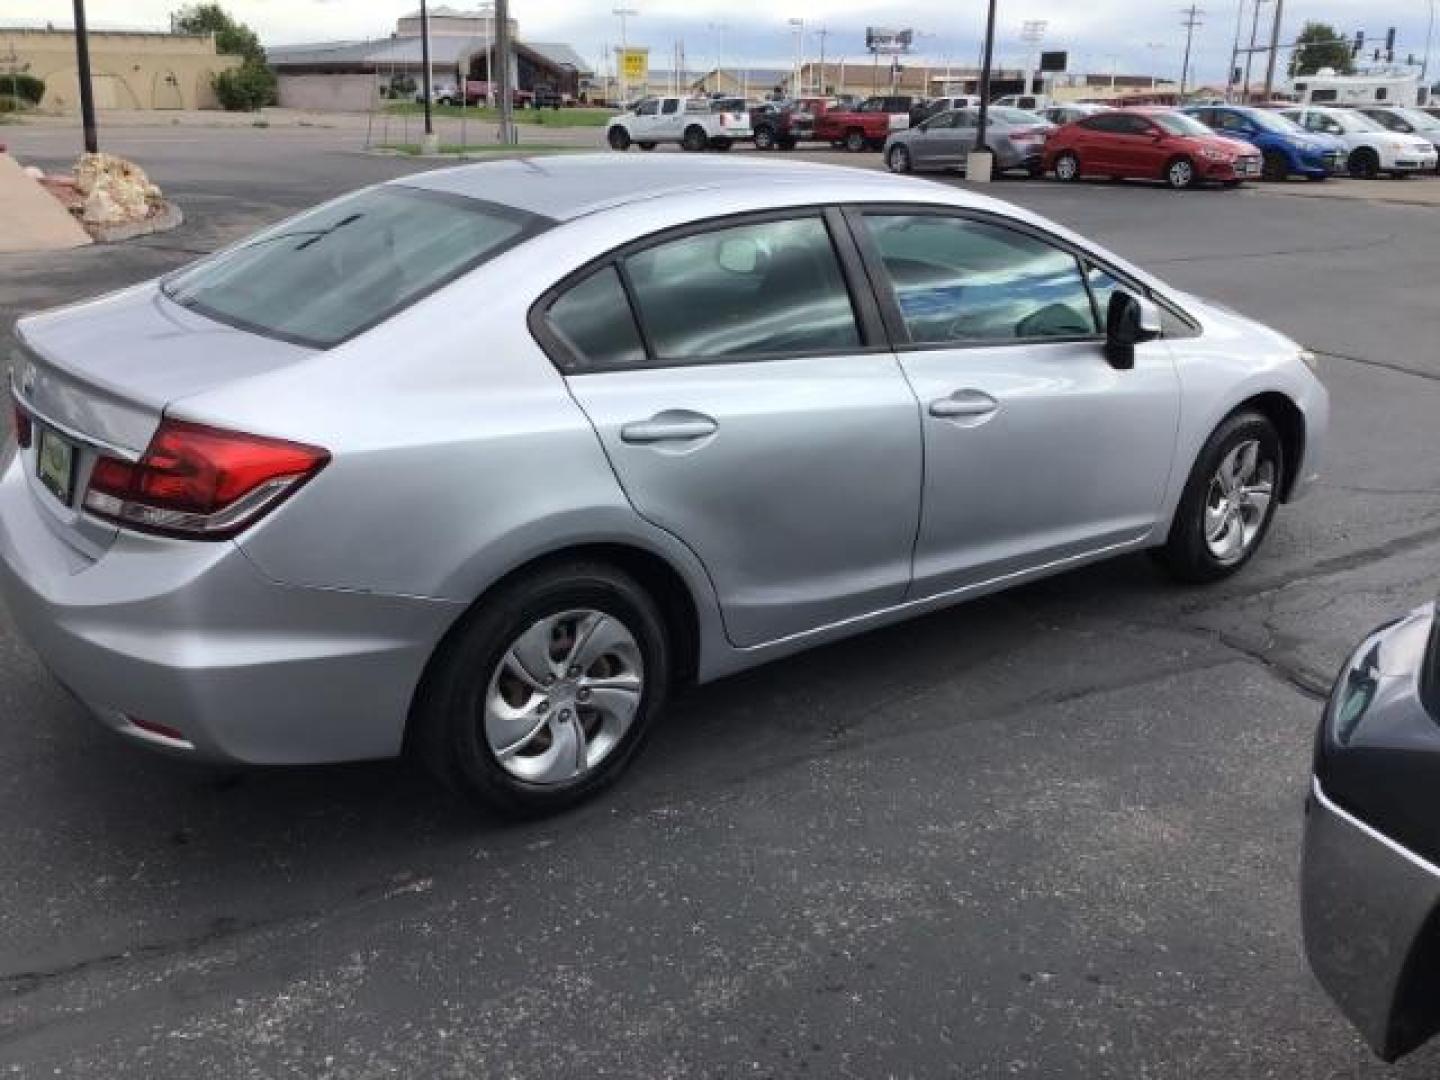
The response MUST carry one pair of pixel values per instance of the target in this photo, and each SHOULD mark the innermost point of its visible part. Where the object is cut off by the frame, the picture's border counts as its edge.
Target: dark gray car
(1016, 137)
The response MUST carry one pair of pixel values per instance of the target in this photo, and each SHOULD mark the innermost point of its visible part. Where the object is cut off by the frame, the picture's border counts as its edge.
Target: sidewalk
(31, 219)
(1413, 191)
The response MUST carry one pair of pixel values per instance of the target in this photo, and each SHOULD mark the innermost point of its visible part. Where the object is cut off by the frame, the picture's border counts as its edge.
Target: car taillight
(24, 426)
(200, 482)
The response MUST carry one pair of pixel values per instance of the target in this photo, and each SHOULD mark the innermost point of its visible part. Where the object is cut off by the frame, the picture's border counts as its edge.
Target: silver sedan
(1016, 137)
(486, 462)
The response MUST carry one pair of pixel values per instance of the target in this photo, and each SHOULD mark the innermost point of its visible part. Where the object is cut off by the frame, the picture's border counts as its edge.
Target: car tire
(1067, 167)
(694, 139)
(897, 159)
(1364, 164)
(1274, 166)
(619, 139)
(498, 732)
(855, 141)
(646, 145)
(765, 138)
(1213, 533)
(1180, 174)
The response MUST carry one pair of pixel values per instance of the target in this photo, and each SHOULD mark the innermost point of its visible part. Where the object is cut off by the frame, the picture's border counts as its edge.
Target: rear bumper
(193, 637)
(1366, 904)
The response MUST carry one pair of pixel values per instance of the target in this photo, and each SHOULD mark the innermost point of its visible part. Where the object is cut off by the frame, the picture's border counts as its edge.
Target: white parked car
(1029, 102)
(691, 122)
(1373, 150)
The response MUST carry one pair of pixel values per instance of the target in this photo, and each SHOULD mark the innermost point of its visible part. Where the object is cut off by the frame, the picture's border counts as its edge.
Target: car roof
(565, 187)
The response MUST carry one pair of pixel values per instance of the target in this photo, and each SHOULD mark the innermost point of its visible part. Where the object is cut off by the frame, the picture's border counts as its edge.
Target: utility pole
(1234, 52)
(82, 71)
(1274, 50)
(429, 144)
(1429, 40)
(1193, 18)
(506, 50)
(1250, 52)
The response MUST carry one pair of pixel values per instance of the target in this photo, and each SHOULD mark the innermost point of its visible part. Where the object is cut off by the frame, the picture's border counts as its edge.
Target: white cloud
(1098, 33)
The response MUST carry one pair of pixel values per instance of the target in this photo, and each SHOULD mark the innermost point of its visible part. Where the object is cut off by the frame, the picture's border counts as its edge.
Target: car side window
(956, 280)
(647, 107)
(967, 119)
(942, 121)
(761, 289)
(672, 105)
(594, 319)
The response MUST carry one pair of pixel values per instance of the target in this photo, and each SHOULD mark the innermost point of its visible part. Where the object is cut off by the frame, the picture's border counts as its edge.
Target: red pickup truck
(865, 127)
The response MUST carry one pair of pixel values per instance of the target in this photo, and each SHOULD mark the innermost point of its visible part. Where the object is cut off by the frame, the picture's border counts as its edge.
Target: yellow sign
(635, 64)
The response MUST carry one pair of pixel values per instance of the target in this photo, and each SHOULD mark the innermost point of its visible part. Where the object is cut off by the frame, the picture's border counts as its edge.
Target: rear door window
(764, 289)
(328, 274)
(594, 319)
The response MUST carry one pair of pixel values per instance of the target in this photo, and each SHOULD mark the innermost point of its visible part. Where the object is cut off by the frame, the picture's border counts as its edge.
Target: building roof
(571, 186)
(445, 50)
(561, 54)
(444, 12)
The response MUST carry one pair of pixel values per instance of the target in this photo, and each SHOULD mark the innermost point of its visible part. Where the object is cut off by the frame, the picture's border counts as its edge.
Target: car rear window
(326, 275)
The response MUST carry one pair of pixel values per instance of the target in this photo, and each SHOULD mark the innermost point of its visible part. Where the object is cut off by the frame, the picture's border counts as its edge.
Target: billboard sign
(886, 42)
(1054, 61)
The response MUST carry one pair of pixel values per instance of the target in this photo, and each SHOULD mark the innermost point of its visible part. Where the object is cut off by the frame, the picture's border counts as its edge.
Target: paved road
(1052, 833)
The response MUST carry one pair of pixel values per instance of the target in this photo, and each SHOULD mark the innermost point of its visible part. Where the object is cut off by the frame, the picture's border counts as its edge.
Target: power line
(1194, 17)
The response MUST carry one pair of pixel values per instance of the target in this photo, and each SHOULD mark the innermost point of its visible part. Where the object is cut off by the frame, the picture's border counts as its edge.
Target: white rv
(1349, 91)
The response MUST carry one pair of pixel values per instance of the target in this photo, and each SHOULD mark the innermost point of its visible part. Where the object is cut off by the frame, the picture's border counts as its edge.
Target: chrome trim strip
(1379, 837)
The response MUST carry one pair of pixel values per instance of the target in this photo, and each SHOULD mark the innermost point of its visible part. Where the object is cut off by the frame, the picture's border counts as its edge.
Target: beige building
(128, 69)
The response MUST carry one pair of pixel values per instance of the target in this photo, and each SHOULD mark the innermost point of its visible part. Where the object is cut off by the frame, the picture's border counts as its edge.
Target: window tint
(942, 122)
(594, 319)
(751, 290)
(960, 280)
(672, 105)
(328, 274)
(648, 107)
(1111, 123)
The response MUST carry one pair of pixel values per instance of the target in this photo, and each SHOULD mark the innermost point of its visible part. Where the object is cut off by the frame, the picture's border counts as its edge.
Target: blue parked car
(1286, 148)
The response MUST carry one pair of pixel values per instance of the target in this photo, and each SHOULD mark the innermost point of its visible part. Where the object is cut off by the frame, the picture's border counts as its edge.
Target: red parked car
(1149, 144)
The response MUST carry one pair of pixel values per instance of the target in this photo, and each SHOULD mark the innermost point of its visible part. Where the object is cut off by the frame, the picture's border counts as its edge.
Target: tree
(1320, 45)
(231, 38)
(248, 87)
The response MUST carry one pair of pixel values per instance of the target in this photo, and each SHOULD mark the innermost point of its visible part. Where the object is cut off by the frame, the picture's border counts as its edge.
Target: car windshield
(1180, 124)
(1420, 121)
(1354, 121)
(1274, 122)
(328, 274)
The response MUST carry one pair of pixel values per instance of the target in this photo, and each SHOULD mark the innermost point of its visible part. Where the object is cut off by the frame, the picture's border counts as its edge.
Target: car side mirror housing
(1129, 321)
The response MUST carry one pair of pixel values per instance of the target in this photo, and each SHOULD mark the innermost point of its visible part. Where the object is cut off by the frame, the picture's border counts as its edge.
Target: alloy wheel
(1067, 167)
(1238, 502)
(1181, 174)
(563, 695)
(898, 159)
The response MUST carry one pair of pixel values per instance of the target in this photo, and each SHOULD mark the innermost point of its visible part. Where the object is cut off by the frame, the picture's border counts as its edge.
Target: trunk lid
(101, 374)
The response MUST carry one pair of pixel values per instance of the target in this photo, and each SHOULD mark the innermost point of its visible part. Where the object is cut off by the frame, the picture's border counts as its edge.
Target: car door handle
(671, 426)
(962, 404)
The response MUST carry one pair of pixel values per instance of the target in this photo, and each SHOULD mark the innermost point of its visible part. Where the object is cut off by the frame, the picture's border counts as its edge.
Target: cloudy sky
(1133, 35)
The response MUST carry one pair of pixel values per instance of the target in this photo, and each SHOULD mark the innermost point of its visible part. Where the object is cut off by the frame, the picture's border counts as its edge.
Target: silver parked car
(1016, 137)
(486, 461)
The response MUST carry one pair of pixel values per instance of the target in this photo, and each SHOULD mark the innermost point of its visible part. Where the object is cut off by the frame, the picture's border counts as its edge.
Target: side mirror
(1129, 321)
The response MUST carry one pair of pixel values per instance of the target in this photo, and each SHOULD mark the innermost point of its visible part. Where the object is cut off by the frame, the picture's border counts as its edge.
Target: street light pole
(82, 71)
(987, 58)
(505, 51)
(798, 25)
(624, 13)
(430, 142)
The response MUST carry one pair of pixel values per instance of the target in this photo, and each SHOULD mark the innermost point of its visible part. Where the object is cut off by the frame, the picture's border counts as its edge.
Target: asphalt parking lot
(1053, 833)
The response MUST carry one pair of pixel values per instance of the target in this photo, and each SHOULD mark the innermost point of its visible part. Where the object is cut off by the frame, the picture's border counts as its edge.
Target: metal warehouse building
(348, 75)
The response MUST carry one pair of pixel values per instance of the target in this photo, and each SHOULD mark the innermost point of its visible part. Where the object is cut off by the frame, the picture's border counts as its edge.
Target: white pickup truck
(687, 121)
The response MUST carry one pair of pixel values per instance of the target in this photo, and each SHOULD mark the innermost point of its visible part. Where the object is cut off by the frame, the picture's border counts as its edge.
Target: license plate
(56, 465)
(1249, 168)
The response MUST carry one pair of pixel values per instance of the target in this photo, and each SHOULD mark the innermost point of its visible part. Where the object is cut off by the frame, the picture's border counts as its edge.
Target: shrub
(27, 88)
(246, 88)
